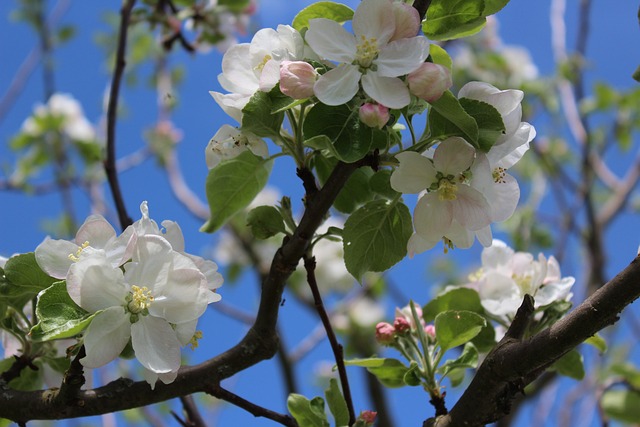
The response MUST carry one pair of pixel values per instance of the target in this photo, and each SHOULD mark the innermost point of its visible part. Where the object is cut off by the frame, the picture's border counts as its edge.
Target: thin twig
(252, 408)
(193, 414)
(109, 163)
(310, 266)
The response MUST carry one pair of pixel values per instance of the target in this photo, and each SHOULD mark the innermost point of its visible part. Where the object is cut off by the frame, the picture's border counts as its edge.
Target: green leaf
(454, 328)
(456, 299)
(375, 237)
(355, 192)
(412, 376)
(452, 19)
(622, 405)
(323, 9)
(636, 74)
(598, 342)
(390, 372)
(257, 116)
(307, 412)
(380, 183)
(468, 359)
(448, 118)
(28, 380)
(489, 120)
(23, 279)
(351, 139)
(232, 185)
(630, 373)
(440, 56)
(492, 7)
(337, 404)
(570, 365)
(265, 222)
(58, 315)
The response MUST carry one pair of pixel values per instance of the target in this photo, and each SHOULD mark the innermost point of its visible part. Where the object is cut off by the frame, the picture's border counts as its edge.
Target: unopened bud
(374, 115)
(429, 81)
(407, 21)
(297, 79)
(401, 325)
(368, 417)
(430, 332)
(385, 333)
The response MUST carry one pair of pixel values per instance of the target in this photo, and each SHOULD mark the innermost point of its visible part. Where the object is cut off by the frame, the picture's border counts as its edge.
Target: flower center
(75, 257)
(261, 65)
(193, 343)
(523, 282)
(139, 299)
(447, 190)
(499, 174)
(366, 51)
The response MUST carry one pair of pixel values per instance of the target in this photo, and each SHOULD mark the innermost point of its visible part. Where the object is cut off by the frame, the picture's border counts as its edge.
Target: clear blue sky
(80, 70)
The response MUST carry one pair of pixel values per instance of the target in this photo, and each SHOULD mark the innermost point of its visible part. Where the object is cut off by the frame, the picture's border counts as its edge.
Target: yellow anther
(523, 282)
(447, 190)
(366, 51)
(476, 275)
(264, 61)
(193, 343)
(447, 245)
(76, 257)
(141, 299)
(499, 174)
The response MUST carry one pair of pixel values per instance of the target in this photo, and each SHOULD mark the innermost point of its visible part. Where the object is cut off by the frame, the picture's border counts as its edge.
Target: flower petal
(331, 41)
(173, 234)
(402, 56)
(181, 299)
(95, 285)
(231, 103)
(53, 257)
(388, 91)
(454, 155)
(155, 344)
(337, 86)
(106, 337)
(508, 152)
(418, 244)
(238, 73)
(374, 19)
(432, 217)
(414, 174)
(496, 256)
(471, 209)
(95, 230)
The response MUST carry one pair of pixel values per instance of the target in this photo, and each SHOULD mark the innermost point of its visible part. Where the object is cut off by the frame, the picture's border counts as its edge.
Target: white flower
(249, 67)
(451, 197)
(506, 276)
(56, 256)
(229, 142)
(159, 288)
(370, 56)
(64, 107)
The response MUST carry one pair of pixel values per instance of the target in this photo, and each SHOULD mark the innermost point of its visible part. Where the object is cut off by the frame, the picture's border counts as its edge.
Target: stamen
(499, 174)
(193, 343)
(261, 65)
(447, 190)
(141, 299)
(366, 51)
(76, 257)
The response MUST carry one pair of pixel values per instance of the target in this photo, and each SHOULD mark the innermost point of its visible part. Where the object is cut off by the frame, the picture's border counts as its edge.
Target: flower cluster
(506, 276)
(462, 189)
(62, 112)
(142, 286)
(403, 328)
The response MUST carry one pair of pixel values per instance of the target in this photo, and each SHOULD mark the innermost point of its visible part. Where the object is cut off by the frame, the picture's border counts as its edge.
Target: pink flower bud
(429, 81)
(407, 21)
(401, 325)
(385, 333)
(374, 115)
(297, 79)
(369, 417)
(430, 331)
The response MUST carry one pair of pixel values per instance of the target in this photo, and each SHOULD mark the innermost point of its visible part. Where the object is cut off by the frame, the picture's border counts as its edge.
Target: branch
(110, 161)
(514, 363)
(191, 410)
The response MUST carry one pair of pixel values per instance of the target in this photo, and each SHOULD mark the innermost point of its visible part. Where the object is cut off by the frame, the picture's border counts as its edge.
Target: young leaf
(375, 237)
(351, 139)
(390, 372)
(452, 19)
(622, 405)
(257, 116)
(306, 412)
(337, 404)
(493, 6)
(455, 299)
(265, 222)
(58, 315)
(440, 56)
(570, 365)
(412, 376)
(454, 328)
(356, 190)
(598, 342)
(322, 9)
(489, 120)
(468, 359)
(23, 279)
(448, 118)
(232, 185)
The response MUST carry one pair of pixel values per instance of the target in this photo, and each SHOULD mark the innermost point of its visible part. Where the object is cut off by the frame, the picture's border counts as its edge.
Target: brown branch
(73, 380)
(338, 353)
(613, 206)
(109, 163)
(514, 363)
(255, 410)
(194, 418)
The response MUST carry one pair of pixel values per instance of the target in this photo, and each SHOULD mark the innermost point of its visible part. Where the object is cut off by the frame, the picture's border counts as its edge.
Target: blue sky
(80, 70)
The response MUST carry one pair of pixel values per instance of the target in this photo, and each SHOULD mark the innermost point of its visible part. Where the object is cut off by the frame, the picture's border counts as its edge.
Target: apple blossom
(429, 81)
(229, 141)
(297, 79)
(68, 110)
(369, 56)
(385, 333)
(374, 115)
(407, 20)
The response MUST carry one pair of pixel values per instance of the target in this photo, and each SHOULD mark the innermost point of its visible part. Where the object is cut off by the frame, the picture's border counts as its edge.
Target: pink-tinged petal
(338, 86)
(496, 256)
(106, 337)
(53, 257)
(374, 19)
(173, 233)
(454, 155)
(155, 344)
(402, 56)
(95, 285)
(432, 217)
(263, 43)
(414, 174)
(210, 270)
(238, 73)
(407, 20)
(231, 103)
(388, 91)
(418, 244)
(471, 209)
(504, 198)
(95, 230)
(331, 41)
(120, 249)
